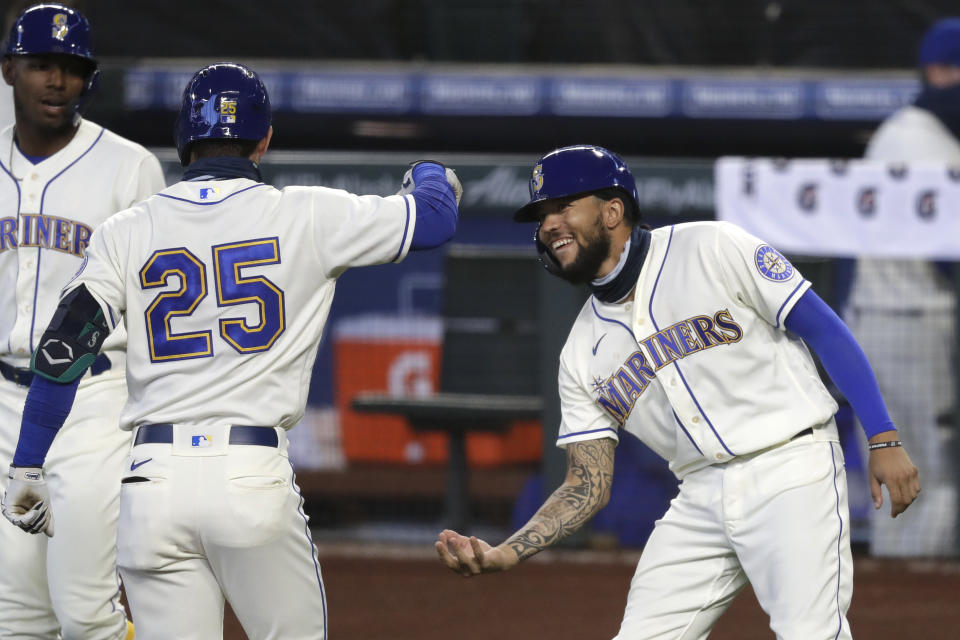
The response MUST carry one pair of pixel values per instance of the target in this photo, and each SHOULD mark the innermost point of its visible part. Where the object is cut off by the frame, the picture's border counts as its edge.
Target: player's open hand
(470, 556)
(892, 466)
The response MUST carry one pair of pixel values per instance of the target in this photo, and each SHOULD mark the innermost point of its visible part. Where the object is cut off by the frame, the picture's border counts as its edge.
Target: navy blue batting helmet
(222, 101)
(577, 170)
(45, 29)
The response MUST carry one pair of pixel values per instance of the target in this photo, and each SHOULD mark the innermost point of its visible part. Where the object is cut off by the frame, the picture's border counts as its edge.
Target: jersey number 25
(233, 288)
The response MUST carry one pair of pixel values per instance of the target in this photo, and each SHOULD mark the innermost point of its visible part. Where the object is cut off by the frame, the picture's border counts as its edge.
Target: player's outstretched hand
(470, 556)
(26, 502)
(892, 466)
(411, 177)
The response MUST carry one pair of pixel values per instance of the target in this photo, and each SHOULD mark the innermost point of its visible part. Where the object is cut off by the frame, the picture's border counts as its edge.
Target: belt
(239, 434)
(23, 377)
(806, 432)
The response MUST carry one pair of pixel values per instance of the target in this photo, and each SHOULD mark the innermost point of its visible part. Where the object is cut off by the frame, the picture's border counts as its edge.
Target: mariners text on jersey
(618, 393)
(49, 232)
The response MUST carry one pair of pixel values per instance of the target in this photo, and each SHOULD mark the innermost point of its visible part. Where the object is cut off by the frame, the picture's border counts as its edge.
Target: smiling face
(576, 235)
(46, 90)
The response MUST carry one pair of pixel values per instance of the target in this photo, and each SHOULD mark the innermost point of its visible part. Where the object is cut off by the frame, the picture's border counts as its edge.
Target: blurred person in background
(902, 311)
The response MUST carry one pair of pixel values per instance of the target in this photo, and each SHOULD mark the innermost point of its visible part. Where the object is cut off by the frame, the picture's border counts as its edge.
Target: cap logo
(537, 180)
(60, 28)
(228, 111)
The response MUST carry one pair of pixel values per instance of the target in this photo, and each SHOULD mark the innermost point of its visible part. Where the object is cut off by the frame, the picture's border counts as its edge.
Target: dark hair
(631, 210)
(222, 147)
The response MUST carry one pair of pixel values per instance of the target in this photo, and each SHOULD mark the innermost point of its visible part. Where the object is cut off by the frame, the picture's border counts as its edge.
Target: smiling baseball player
(60, 177)
(691, 341)
(225, 283)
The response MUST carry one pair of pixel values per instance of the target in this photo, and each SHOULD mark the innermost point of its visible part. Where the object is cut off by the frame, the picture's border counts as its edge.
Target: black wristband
(884, 445)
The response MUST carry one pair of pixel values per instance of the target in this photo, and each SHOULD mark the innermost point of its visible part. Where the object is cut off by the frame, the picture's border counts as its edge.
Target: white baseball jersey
(698, 365)
(66, 584)
(47, 213)
(226, 286)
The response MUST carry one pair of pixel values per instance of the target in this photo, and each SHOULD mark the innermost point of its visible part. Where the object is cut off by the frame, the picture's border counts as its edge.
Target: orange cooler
(400, 355)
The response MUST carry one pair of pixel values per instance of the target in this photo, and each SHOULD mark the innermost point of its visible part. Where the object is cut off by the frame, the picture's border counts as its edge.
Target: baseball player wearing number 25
(225, 283)
(695, 340)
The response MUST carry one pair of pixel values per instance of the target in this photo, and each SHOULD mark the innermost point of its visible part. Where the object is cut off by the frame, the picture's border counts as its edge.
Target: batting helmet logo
(228, 110)
(536, 182)
(60, 28)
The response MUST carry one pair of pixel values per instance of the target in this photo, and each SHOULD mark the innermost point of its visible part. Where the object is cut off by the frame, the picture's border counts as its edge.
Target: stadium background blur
(360, 89)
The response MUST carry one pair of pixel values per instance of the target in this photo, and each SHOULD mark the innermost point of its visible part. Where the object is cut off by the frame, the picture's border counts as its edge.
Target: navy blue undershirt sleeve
(46, 409)
(436, 207)
(842, 357)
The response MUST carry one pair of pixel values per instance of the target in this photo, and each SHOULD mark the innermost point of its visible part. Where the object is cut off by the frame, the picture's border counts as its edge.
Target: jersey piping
(313, 555)
(16, 184)
(653, 294)
(685, 432)
(207, 204)
(597, 313)
(406, 227)
(836, 492)
(787, 301)
(43, 195)
(582, 433)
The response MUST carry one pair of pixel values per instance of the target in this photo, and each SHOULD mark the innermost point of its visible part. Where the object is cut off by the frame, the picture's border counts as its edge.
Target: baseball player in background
(693, 341)
(60, 177)
(226, 284)
(902, 311)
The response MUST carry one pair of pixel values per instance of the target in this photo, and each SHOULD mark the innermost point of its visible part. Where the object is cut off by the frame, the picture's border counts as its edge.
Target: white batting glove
(27, 501)
(408, 184)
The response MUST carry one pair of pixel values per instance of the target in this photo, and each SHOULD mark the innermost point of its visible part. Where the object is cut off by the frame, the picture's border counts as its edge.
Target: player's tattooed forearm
(584, 492)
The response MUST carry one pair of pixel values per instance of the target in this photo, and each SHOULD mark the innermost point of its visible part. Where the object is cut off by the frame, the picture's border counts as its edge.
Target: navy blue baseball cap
(576, 170)
(226, 101)
(51, 29)
(941, 43)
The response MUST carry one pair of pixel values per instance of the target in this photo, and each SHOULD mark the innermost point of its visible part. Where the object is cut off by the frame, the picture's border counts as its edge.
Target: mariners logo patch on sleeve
(772, 265)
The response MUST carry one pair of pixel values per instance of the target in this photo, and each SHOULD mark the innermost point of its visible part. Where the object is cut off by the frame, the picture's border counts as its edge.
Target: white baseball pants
(778, 519)
(202, 520)
(68, 584)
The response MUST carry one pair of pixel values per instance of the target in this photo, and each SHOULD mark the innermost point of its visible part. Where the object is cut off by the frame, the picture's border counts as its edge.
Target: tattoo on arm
(585, 491)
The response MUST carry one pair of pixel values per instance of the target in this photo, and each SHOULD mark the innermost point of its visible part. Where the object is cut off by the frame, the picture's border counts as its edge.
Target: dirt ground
(379, 593)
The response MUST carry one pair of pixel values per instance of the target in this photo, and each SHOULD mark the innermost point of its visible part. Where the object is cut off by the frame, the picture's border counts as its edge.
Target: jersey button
(673, 382)
(719, 456)
(34, 177)
(22, 351)
(695, 419)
